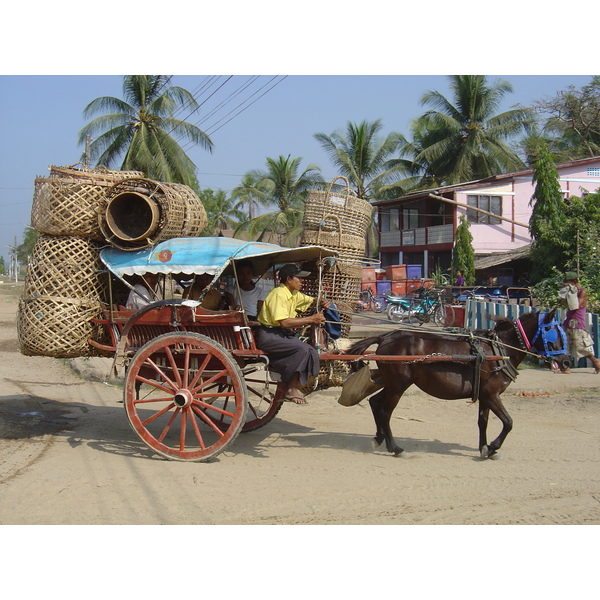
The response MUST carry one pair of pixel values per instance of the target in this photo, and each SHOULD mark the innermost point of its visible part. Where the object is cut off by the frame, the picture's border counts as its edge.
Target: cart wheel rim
(262, 397)
(185, 396)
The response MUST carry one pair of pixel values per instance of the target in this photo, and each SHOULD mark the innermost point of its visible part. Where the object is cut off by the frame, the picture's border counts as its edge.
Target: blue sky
(41, 115)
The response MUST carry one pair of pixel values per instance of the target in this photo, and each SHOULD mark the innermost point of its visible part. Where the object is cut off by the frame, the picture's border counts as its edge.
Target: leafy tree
(25, 249)
(579, 251)
(547, 201)
(463, 257)
(142, 132)
(286, 190)
(2, 267)
(547, 216)
(465, 139)
(572, 121)
(221, 211)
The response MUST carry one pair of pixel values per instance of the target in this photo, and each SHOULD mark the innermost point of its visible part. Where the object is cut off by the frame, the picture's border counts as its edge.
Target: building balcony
(423, 236)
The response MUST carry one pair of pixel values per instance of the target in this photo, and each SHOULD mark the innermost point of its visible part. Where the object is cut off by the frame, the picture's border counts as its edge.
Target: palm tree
(143, 130)
(361, 156)
(286, 190)
(251, 193)
(465, 139)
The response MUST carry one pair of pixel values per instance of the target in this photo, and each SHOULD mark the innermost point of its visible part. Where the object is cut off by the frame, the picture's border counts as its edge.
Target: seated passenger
(289, 356)
(252, 296)
(212, 299)
(144, 292)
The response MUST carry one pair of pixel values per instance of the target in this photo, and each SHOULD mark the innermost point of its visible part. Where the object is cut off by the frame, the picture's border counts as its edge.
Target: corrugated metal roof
(500, 258)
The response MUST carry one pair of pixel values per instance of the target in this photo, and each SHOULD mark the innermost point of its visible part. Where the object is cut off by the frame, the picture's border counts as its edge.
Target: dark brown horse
(456, 379)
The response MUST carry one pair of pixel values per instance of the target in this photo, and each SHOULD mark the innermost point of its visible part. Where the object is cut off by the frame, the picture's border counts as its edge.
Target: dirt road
(68, 456)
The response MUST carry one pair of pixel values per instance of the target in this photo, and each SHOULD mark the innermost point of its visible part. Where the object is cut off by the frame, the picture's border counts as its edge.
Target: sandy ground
(68, 456)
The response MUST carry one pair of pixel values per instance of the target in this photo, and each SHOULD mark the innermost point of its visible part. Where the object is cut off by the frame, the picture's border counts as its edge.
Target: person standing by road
(575, 324)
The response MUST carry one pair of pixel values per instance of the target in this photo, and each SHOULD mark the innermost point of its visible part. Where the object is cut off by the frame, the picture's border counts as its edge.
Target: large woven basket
(139, 213)
(66, 203)
(340, 212)
(96, 174)
(348, 247)
(64, 288)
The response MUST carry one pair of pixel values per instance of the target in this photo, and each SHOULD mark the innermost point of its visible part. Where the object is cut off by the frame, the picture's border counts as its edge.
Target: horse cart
(194, 378)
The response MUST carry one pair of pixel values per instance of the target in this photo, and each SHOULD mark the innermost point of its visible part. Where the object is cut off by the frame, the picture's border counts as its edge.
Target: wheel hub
(183, 398)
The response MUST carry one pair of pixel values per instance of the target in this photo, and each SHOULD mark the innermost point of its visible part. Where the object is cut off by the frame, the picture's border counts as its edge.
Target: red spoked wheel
(185, 396)
(264, 397)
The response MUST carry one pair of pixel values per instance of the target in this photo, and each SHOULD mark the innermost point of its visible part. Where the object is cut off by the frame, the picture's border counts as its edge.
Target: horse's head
(541, 333)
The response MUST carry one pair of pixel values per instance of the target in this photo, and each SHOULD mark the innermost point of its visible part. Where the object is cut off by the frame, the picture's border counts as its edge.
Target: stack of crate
(398, 280)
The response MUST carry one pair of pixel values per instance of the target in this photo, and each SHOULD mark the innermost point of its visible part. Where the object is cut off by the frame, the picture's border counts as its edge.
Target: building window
(384, 220)
(593, 171)
(491, 204)
(410, 218)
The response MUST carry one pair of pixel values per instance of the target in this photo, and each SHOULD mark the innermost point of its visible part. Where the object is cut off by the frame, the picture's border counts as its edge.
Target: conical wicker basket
(139, 213)
(67, 202)
(64, 289)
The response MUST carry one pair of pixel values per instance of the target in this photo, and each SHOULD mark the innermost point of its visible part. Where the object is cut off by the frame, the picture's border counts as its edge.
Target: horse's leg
(482, 423)
(375, 402)
(495, 405)
(382, 405)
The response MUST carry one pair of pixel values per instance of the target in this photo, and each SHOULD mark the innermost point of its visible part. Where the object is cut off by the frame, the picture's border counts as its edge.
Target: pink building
(420, 228)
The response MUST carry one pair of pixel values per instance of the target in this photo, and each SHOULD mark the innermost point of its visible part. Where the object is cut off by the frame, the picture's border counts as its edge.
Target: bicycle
(368, 301)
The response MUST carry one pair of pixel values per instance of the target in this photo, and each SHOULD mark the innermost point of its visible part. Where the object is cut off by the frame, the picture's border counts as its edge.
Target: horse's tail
(360, 347)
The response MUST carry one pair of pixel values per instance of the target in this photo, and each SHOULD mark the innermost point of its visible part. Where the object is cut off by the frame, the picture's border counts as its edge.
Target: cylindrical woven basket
(349, 247)
(339, 212)
(139, 213)
(97, 174)
(66, 203)
(64, 288)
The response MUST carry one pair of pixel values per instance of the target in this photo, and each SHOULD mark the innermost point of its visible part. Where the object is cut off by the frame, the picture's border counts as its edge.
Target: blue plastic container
(384, 287)
(414, 272)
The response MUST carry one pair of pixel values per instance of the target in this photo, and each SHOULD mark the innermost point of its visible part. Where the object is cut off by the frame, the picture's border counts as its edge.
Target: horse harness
(477, 350)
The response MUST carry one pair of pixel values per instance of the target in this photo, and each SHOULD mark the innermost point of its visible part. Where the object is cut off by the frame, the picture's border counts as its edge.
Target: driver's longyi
(292, 358)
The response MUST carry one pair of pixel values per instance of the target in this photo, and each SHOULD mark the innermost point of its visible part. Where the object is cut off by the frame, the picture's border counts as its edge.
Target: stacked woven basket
(76, 212)
(339, 220)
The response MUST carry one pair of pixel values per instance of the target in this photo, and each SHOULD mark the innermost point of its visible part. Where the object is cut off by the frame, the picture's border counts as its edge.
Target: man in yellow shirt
(292, 358)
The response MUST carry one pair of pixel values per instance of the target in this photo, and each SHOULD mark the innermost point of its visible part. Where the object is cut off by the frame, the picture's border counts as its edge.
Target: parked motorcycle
(424, 307)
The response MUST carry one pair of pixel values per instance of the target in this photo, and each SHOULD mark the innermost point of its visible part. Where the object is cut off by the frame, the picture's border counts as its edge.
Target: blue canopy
(204, 255)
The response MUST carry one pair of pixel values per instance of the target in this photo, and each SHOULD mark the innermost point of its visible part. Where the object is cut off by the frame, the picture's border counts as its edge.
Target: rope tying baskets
(66, 203)
(64, 289)
(139, 213)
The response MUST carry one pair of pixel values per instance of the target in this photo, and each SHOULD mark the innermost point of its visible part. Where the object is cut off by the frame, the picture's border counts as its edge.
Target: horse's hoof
(486, 452)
